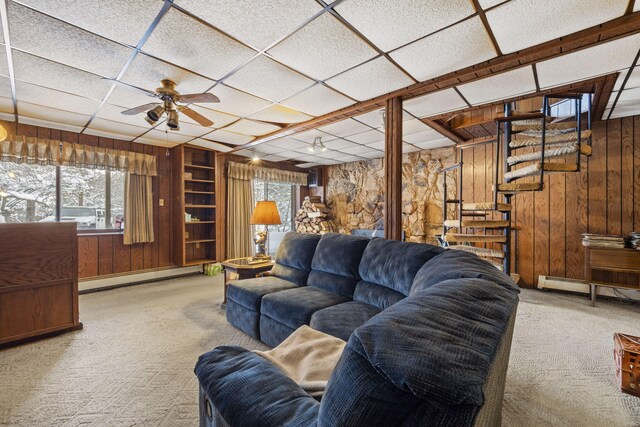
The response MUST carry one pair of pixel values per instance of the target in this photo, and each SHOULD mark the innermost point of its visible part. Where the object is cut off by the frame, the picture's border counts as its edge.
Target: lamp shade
(265, 213)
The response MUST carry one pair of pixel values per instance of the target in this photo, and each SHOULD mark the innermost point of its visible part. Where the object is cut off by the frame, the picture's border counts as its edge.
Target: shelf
(200, 192)
(199, 222)
(200, 241)
(199, 261)
(200, 167)
(201, 206)
(206, 181)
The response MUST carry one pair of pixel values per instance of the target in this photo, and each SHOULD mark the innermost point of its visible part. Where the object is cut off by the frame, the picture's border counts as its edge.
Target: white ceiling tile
(161, 136)
(152, 141)
(117, 127)
(583, 64)
(436, 143)
(634, 79)
(47, 73)
(486, 4)
(4, 68)
(310, 135)
(288, 143)
(370, 79)
(500, 86)
(274, 158)
(268, 79)
(44, 36)
(146, 73)
(390, 24)
(424, 136)
(318, 100)
(329, 154)
(257, 23)
(345, 128)
(372, 118)
(621, 76)
(280, 114)
(250, 127)
(6, 106)
(228, 137)
(606, 113)
(307, 165)
(210, 144)
(51, 114)
(359, 149)
(323, 48)
(519, 24)
(435, 103)
(340, 144)
(114, 113)
(128, 97)
(408, 148)
(49, 124)
(625, 110)
(367, 137)
(124, 21)
(237, 102)
(378, 145)
(348, 159)
(373, 154)
(213, 54)
(190, 129)
(454, 48)
(244, 153)
(5, 88)
(52, 98)
(107, 134)
(413, 126)
(630, 95)
(219, 119)
(636, 7)
(266, 148)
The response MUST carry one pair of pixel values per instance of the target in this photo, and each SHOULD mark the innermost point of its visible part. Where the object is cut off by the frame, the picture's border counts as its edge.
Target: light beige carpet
(133, 362)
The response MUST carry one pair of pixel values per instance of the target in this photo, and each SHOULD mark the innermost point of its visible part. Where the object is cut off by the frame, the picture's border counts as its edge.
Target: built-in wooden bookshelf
(195, 229)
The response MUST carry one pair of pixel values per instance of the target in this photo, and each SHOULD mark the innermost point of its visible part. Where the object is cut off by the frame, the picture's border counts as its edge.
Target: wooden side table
(244, 270)
(612, 267)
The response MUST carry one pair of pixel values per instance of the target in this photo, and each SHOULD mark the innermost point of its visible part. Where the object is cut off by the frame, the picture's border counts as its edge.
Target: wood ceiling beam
(602, 94)
(611, 30)
(443, 130)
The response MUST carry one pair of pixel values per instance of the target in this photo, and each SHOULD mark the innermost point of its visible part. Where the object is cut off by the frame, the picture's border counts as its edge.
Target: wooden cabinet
(612, 267)
(195, 221)
(38, 280)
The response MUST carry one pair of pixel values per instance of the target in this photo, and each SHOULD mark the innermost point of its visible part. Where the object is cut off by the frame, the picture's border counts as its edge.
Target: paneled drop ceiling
(278, 62)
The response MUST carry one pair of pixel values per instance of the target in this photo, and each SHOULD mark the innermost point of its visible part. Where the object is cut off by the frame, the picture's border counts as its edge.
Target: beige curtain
(30, 150)
(239, 208)
(251, 172)
(138, 209)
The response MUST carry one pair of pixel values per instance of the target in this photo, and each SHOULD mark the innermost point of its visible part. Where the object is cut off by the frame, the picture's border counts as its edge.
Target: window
(92, 198)
(283, 195)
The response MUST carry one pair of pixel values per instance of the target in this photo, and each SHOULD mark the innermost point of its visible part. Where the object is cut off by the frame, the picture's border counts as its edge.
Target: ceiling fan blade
(197, 117)
(127, 85)
(199, 97)
(140, 109)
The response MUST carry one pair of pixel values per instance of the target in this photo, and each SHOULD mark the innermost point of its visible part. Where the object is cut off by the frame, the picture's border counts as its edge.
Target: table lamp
(265, 213)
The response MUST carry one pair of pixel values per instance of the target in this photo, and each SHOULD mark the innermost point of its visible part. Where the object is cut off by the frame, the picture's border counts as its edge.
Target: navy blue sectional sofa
(428, 334)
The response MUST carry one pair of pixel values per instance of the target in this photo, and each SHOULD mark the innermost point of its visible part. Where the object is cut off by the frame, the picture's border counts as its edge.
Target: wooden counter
(38, 280)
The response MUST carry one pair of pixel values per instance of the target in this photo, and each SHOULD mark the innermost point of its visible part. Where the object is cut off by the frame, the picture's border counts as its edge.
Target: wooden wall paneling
(121, 256)
(526, 230)
(541, 231)
(150, 259)
(88, 256)
(576, 205)
(137, 254)
(393, 170)
(165, 213)
(557, 223)
(598, 180)
(614, 177)
(636, 173)
(627, 193)
(105, 255)
(177, 158)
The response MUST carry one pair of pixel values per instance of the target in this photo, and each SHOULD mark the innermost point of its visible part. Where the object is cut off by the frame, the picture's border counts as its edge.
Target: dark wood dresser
(38, 280)
(612, 267)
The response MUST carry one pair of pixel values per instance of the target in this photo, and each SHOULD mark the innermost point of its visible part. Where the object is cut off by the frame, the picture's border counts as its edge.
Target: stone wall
(355, 193)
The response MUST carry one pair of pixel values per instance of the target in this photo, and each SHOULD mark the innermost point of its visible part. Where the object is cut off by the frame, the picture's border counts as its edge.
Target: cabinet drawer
(614, 258)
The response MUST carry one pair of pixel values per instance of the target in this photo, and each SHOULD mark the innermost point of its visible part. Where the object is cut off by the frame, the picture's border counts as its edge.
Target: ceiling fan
(171, 103)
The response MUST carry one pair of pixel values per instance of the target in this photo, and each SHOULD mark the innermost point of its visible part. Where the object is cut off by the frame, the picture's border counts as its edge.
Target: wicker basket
(627, 358)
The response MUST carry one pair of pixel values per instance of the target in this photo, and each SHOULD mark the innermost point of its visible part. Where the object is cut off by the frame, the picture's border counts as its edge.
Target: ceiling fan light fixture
(148, 120)
(155, 113)
(318, 145)
(173, 122)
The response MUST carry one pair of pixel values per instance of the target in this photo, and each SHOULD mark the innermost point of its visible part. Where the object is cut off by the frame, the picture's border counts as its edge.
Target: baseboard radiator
(581, 287)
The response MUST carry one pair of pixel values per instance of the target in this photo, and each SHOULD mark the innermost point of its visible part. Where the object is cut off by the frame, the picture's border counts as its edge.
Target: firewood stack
(312, 217)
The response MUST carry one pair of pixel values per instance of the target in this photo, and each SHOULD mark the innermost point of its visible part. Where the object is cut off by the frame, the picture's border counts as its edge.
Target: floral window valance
(40, 151)
(251, 172)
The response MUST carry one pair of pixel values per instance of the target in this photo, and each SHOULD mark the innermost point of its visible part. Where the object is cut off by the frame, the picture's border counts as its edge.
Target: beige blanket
(308, 357)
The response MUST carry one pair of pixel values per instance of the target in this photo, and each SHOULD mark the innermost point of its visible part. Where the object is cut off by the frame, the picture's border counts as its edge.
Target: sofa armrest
(247, 389)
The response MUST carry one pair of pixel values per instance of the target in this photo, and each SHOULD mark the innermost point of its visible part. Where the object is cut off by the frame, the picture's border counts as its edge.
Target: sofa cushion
(243, 318)
(376, 295)
(335, 264)
(294, 307)
(429, 353)
(453, 264)
(249, 292)
(342, 319)
(294, 256)
(394, 264)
